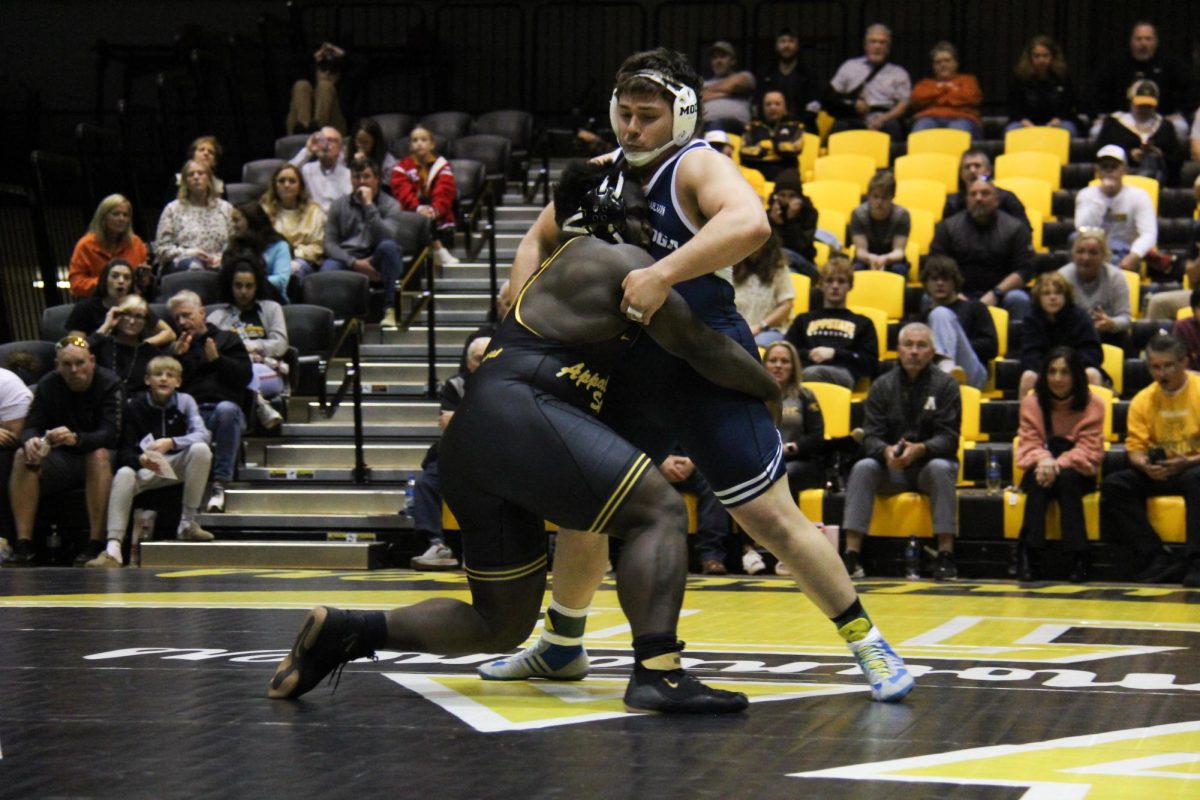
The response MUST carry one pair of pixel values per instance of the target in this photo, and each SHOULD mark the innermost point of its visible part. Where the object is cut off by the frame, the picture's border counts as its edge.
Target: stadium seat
(834, 401)
(1055, 141)
(202, 282)
(878, 289)
(940, 140)
(1033, 193)
(311, 331)
(1168, 517)
(842, 196)
(876, 145)
(1107, 395)
(757, 182)
(1014, 514)
(809, 156)
(396, 127)
(42, 351)
(1148, 185)
(1000, 320)
(923, 194)
(494, 152)
(449, 125)
(856, 169)
(802, 285)
(54, 322)
(930, 167)
(260, 170)
(833, 221)
(1037, 229)
(1030, 164)
(343, 292)
(1182, 313)
(972, 400)
(287, 146)
(512, 124)
(879, 318)
(238, 193)
(901, 515)
(1114, 366)
(920, 236)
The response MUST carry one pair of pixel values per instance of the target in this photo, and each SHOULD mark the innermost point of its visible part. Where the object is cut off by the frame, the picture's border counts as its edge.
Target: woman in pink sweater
(1059, 445)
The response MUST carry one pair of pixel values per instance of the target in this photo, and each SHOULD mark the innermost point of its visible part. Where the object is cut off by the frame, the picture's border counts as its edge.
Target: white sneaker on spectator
(192, 532)
(389, 318)
(782, 568)
(752, 562)
(216, 499)
(443, 257)
(437, 557)
(268, 417)
(104, 561)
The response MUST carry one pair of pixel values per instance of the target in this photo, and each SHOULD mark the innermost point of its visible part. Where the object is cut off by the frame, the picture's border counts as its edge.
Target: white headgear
(685, 111)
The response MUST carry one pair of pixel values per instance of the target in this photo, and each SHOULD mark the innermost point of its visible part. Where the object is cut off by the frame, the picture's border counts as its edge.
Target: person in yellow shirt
(1163, 443)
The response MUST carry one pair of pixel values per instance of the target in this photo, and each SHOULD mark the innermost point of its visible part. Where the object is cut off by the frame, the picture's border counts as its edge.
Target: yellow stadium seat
(842, 196)
(1182, 313)
(879, 319)
(809, 156)
(921, 193)
(1114, 365)
(1014, 515)
(930, 167)
(1107, 395)
(878, 289)
(1033, 193)
(972, 403)
(852, 167)
(1037, 229)
(940, 140)
(1135, 292)
(833, 221)
(812, 503)
(876, 145)
(1030, 164)
(901, 515)
(802, 285)
(1148, 185)
(834, 401)
(1000, 320)
(921, 230)
(1055, 141)
(1168, 517)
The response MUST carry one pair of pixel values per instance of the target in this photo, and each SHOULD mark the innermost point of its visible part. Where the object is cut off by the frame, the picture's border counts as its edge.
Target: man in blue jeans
(216, 373)
(360, 233)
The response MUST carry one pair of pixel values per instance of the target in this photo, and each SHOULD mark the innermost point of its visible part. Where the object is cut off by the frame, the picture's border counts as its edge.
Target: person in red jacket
(109, 236)
(949, 99)
(423, 182)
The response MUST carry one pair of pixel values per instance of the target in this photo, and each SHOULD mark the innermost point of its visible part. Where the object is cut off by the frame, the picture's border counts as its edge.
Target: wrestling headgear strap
(685, 111)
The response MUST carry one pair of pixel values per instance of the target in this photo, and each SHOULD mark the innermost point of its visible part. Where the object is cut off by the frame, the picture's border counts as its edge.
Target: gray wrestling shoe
(554, 662)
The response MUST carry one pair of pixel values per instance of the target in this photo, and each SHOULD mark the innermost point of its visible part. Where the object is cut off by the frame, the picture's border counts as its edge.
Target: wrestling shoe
(885, 671)
(326, 643)
(652, 691)
(554, 662)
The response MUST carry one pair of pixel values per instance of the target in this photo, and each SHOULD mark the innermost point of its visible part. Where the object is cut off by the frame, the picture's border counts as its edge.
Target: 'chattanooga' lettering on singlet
(831, 326)
(587, 380)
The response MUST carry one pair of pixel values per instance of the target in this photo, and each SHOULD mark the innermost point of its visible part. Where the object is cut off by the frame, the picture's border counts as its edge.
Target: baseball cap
(1111, 151)
(723, 46)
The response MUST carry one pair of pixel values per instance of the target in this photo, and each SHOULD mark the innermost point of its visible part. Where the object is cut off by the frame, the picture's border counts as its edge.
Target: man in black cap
(727, 94)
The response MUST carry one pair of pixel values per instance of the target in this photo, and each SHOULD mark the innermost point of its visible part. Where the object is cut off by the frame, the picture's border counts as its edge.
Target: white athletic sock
(114, 549)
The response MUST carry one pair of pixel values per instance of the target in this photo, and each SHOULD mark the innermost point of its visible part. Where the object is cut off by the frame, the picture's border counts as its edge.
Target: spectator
(109, 236)
(216, 370)
(911, 425)
(949, 99)
(297, 218)
(1187, 331)
(172, 421)
(206, 150)
(993, 250)
(794, 218)
(726, 96)
(14, 405)
(964, 334)
(1041, 92)
(976, 164)
(326, 177)
(1165, 305)
(1055, 320)
(788, 76)
(763, 292)
(1195, 137)
(194, 229)
(423, 182)
(319, 105)
(67, 442)
(775, 141)
(1124, 213)
(1144, 61)
(1149, 140)
(1059, 445)
(254, 236)
(1099, 287)
(369, 142)
(258, 321)
(1163, 445)
(98, 314)
(719, 140)
(125, 348)
(360, 234)
(836, 345)
(868, 91)
(801, 426)
(427, 490)
(879, 228)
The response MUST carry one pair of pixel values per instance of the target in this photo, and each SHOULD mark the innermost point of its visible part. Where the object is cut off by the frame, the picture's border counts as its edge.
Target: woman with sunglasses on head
(99, 312)
(125, 348)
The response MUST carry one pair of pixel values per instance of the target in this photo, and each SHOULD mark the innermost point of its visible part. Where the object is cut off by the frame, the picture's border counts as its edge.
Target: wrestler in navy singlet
(658, 401)
(526, 446)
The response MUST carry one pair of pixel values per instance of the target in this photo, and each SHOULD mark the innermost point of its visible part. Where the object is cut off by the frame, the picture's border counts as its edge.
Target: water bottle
(912, 559)
(410, 490)
(54, 545)
(994, 479)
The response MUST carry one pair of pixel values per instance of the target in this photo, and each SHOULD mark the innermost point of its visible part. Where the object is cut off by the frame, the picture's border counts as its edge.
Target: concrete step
(266, 555)
(340, 455)
(321, 475)
(417, 334)
(375, 372)
(371, 430)
(233, 525)
(314, 501)
(395, 413)
(446, 348)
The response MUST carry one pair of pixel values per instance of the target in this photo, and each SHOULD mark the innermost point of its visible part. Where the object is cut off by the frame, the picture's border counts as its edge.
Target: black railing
(421, 300)
(352, 382)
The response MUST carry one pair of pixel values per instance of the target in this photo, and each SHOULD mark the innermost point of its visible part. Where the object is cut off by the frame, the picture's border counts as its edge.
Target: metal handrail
(352, 381)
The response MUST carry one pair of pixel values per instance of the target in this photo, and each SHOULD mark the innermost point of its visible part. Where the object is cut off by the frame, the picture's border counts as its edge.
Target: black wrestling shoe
(326, 641)
(676, 692)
